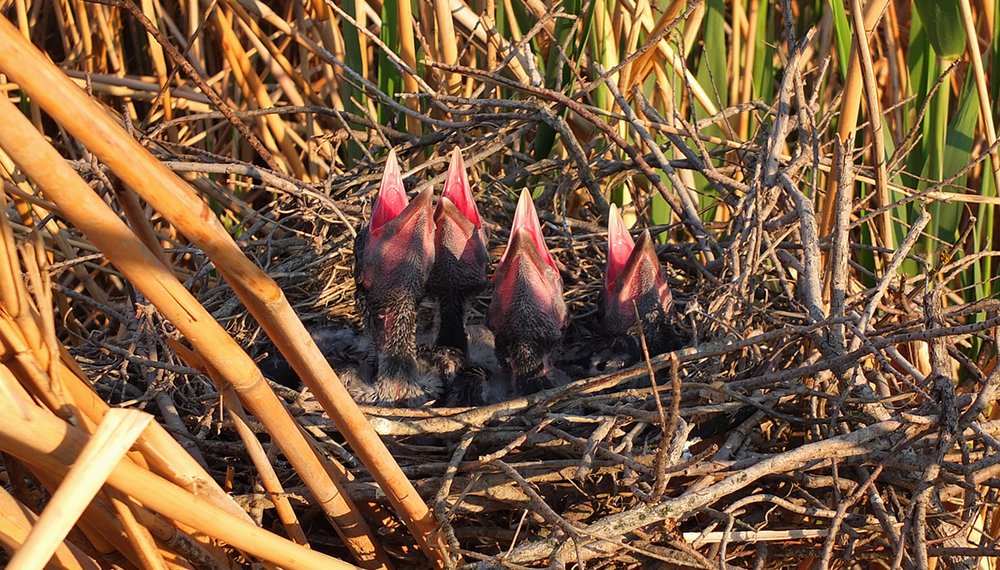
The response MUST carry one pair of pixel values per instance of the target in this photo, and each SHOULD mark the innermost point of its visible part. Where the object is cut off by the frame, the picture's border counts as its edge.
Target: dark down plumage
(460, 259)
(393, 256)
(527, 314)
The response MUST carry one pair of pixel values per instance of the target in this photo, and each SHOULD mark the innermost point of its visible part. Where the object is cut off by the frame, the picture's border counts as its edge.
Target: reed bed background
(183, 182)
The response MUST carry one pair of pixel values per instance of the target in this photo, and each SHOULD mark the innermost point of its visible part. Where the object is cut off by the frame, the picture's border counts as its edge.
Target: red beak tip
(391, 199)
(458, 190)
(620, 245)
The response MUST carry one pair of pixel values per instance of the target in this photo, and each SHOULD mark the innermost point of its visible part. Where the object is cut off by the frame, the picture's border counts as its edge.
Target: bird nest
(784, 431)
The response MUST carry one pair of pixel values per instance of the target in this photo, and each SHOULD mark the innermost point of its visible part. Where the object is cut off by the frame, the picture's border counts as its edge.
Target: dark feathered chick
(527, 314)
(342, 345)
(460, 258)
(636, 295)
(479, 380)
(393, 256)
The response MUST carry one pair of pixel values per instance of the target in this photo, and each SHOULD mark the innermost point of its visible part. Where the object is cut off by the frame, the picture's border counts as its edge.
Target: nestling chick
(527, 314)
(393, 257)
(344, 348)
(460, 258)
(636, 294)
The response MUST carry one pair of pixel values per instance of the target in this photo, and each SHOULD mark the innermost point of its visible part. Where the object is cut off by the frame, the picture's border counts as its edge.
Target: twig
(189, 70)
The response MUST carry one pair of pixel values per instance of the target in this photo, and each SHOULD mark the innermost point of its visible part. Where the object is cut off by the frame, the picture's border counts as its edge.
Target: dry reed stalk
(16, 521)
(850, 107)
(80, 9)
(21, 11)
(884, 234)
(515, 28)
(254, 91)
(138, 536)
(51, 445)
(631, 34)
(665, 92)
(34, 375)
(982, 90)
(116, 434)
(332, 40)
(132, 88)
(156, 446)
(430, 39)
(680, 68)
(540, 10)
(198, 548)
(233, 53)
(899, 77)
(99, 526)
(301, 84)
(518, 64)
(408, 52)
(159, 62)
(136, 216)
(175, 200)
(10, 287)
(447, 42)
(644, 63)
(194, 75)
(268, 478)
(746, 86)
(68, 33)
(733, 68)
(136, 542)
(59, 237)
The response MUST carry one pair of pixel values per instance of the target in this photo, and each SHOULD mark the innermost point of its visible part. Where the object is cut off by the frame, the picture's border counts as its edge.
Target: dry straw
(174, 199)
(116, 434)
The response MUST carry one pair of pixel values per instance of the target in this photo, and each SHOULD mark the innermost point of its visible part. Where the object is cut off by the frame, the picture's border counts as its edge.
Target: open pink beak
(634, 275)
(391, 200)
(400, 231)
(527, 273)
(526, 218)
(458, 192)
(459, 227)
(620, 245)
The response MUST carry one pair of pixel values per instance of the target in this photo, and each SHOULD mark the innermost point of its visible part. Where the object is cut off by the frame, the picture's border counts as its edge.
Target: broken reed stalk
(16, 521)
(98, 526)
(156, 447)
(178, 204)
(116, 434)
(50, 445)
